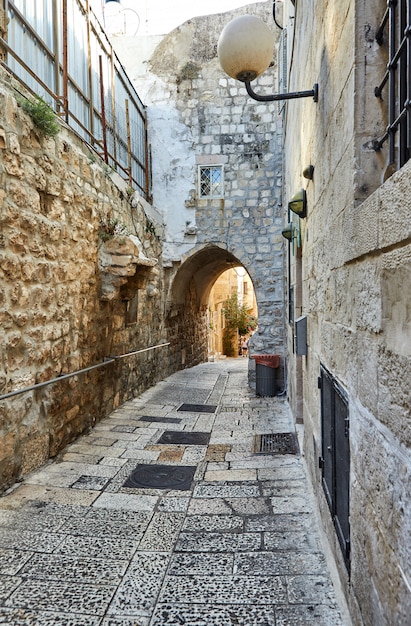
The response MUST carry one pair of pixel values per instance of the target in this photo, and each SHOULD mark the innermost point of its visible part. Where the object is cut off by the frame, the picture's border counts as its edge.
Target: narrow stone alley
(171, 511)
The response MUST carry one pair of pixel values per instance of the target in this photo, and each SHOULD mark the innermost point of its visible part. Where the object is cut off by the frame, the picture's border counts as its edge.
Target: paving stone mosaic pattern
(236, 545)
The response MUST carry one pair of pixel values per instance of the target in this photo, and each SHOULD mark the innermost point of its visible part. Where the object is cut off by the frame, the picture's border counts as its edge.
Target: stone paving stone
(217, 542)
(310, 615)
(231, 475)
(277, 523)
(217, 452)
(301, 541)
(11, 561)
(27, 540)
(98, 547)
(171, 455)
(205, 563)
(139, 589)
(226, 491)
(7, 585)
(62, 596)
(27, 521)
(107, 523)
(162, 532)
(72, 457)
(290, 504)
(279, 563)
(90, 482)
(217, 615)
(284, 488)
(126, 502)
(194, 454)
(212, 523)
(256, 590)
(86, 569)
(23, 617)
(173, 504)
(112, 462)
(93, 450)
(310, 589)
(124, 621)
(281, 473)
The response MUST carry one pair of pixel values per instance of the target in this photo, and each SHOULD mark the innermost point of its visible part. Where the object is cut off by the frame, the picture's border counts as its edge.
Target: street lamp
(245, 50)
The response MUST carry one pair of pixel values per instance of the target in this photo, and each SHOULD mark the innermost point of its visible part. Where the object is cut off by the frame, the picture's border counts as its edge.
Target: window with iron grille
(395, 87)
(210, 181)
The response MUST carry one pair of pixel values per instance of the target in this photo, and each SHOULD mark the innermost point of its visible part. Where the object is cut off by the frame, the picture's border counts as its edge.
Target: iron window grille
(396, 24)
(211, 181)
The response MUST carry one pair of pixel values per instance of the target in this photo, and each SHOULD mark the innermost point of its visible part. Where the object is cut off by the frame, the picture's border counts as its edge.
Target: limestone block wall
(199, 116)
(355, 268)
(53, 314)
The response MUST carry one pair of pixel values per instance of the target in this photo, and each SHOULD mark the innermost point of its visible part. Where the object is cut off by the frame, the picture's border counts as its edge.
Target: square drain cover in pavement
(188, 439)
(276, 443)
(161, 477)
(198, 408)
(163, 420)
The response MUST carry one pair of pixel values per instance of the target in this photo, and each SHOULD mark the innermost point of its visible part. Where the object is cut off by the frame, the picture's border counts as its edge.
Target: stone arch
(202, 265)
(187, 301)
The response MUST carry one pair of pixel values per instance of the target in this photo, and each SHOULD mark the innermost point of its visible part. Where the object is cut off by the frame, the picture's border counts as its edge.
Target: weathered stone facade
(66, 296)
(351, 278)
(198, 116)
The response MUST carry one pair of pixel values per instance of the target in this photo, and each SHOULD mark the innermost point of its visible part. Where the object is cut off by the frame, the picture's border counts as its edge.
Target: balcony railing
(58, 50)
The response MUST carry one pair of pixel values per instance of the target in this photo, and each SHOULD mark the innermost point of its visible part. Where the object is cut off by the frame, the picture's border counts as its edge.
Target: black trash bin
(265, 374)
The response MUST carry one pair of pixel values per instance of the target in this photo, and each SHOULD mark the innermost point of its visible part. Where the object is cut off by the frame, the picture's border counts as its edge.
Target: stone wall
(199, 116)
(354, 280)
(56, 316)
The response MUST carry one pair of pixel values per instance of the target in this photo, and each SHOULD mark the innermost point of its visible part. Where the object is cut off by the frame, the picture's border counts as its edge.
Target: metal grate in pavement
(198, 408)
(276, 443)
(163, 420)
(161, 477)
(184, 438)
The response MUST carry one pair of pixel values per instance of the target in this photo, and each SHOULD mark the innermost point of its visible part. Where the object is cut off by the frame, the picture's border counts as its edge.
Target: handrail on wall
(107, 361)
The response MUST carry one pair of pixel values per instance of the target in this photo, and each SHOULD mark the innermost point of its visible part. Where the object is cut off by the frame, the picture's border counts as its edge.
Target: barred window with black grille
(393, 37)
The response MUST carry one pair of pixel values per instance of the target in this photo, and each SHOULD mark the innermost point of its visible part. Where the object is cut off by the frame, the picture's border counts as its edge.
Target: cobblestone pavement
(230, 538)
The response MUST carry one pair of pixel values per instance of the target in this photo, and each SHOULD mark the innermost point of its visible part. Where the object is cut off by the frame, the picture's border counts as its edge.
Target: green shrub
(42, 115)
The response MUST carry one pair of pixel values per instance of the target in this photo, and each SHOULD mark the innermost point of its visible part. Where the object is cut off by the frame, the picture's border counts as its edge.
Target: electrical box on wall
(300, 327)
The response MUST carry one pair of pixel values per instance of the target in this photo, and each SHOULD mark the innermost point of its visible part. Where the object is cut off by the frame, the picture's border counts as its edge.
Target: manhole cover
(198, 408)
(276, 443)
(161, 477)
(163, 420)
(188, 439)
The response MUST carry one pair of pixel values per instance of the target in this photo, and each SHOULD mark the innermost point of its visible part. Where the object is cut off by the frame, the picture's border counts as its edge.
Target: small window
(210, 181)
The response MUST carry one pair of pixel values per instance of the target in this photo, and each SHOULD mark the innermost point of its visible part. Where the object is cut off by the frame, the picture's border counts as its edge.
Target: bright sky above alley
(157, 17)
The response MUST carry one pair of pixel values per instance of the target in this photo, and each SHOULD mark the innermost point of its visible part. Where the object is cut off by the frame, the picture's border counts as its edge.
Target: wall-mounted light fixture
(289, 232)
(308, 172)
(245, 50)
(298, 203)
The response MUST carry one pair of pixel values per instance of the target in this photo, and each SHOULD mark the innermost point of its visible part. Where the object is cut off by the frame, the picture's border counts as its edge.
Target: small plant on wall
(42, 115)
(110, 228)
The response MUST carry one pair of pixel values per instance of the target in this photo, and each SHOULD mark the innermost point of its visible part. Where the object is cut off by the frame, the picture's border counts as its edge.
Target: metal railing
(397, 20)
(59, 51)
(106, 361)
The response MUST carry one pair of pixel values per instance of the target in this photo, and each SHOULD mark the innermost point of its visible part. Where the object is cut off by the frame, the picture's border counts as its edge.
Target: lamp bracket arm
(282, 96)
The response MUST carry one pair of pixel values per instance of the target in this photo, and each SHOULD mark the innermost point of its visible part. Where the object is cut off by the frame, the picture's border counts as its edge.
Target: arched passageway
(187, 318)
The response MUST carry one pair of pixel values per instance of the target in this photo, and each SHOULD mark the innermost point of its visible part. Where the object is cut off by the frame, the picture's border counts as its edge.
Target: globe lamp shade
(245, 48)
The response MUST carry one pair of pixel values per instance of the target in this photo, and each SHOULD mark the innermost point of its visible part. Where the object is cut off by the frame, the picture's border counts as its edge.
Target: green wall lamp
(298, 203)
(289, 232)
